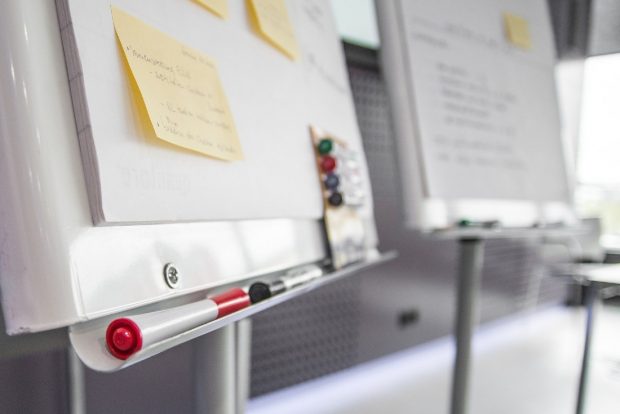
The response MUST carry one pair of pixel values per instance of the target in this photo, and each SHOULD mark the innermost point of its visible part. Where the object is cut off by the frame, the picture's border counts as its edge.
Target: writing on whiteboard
(181, 90)
(486, 110)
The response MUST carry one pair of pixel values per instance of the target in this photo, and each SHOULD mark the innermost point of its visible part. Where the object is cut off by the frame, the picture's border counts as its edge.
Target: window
(598, 160)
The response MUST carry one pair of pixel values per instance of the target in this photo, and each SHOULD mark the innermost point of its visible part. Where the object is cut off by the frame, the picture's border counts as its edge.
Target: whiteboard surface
(477, 119)
(133, 177)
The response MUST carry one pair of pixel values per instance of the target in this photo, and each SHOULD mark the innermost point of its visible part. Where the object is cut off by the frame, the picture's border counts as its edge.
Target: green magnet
(325, 146)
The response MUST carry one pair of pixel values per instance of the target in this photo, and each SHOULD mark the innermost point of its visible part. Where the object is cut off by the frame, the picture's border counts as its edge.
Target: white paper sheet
(273, 100)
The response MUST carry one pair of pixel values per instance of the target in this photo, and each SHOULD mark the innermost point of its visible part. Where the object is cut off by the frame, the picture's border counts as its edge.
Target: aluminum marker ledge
(88, 338)
(505, 232)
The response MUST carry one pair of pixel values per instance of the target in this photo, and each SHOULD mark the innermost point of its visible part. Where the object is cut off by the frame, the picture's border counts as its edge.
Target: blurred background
(405, 308)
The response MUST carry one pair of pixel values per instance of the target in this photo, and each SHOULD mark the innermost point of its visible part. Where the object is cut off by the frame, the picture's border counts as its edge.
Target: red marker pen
(126, 336)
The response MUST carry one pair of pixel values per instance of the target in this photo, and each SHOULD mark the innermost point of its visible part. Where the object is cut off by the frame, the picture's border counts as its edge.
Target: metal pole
(590, 299)
(77, 393)
(244, 362)
(471, 251)
(215, 372)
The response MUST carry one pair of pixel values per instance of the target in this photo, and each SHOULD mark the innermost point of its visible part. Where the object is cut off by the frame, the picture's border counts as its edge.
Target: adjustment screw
(172, 275)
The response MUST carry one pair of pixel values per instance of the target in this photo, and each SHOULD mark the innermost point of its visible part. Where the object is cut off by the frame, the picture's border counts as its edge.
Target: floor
(526, 364)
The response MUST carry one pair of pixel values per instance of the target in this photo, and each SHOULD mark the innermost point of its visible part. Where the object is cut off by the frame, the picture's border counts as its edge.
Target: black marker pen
(489, 224)
(260, 290)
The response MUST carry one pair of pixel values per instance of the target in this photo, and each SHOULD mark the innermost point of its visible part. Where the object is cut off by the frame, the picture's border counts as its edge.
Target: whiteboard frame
(56, 267)
(437, 214)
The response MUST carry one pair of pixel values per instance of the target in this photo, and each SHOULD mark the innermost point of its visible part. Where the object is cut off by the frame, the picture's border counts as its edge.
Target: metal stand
(77, 394)
(591, 294)
(471, 251)
(221, 364)
(244, 362)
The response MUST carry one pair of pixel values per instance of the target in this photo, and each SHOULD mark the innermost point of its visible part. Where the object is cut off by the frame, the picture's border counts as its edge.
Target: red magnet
(328, 164)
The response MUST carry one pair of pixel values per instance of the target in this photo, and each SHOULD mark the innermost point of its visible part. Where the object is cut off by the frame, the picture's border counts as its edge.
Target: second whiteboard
(476, 112)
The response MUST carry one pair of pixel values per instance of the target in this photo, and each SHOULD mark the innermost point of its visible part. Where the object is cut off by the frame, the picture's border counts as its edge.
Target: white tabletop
(599, 273)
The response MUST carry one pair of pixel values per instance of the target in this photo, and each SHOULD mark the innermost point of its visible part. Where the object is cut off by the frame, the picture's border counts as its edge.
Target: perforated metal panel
(307, 337)
(398, 305)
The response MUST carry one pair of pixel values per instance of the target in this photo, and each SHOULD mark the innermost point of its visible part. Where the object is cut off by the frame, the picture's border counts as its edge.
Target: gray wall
(605, 22)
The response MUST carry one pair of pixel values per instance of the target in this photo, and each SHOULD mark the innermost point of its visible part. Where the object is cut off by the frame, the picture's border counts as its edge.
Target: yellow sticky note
(218, 7)
(180, 88)
(517, 31)
(271, 19)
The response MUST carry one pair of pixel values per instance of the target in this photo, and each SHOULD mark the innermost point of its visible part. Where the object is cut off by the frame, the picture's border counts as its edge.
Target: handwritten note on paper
(218, 7)
(180, 88)
(517, 31)
(273, 23)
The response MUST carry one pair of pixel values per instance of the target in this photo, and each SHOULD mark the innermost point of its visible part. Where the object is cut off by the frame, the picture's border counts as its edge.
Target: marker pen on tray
(487, 224)
(126, 336)
(260, 291)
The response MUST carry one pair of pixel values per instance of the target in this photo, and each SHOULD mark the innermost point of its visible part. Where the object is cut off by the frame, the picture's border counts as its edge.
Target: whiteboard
(476, 115)
(56, 267)
(132, 177)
